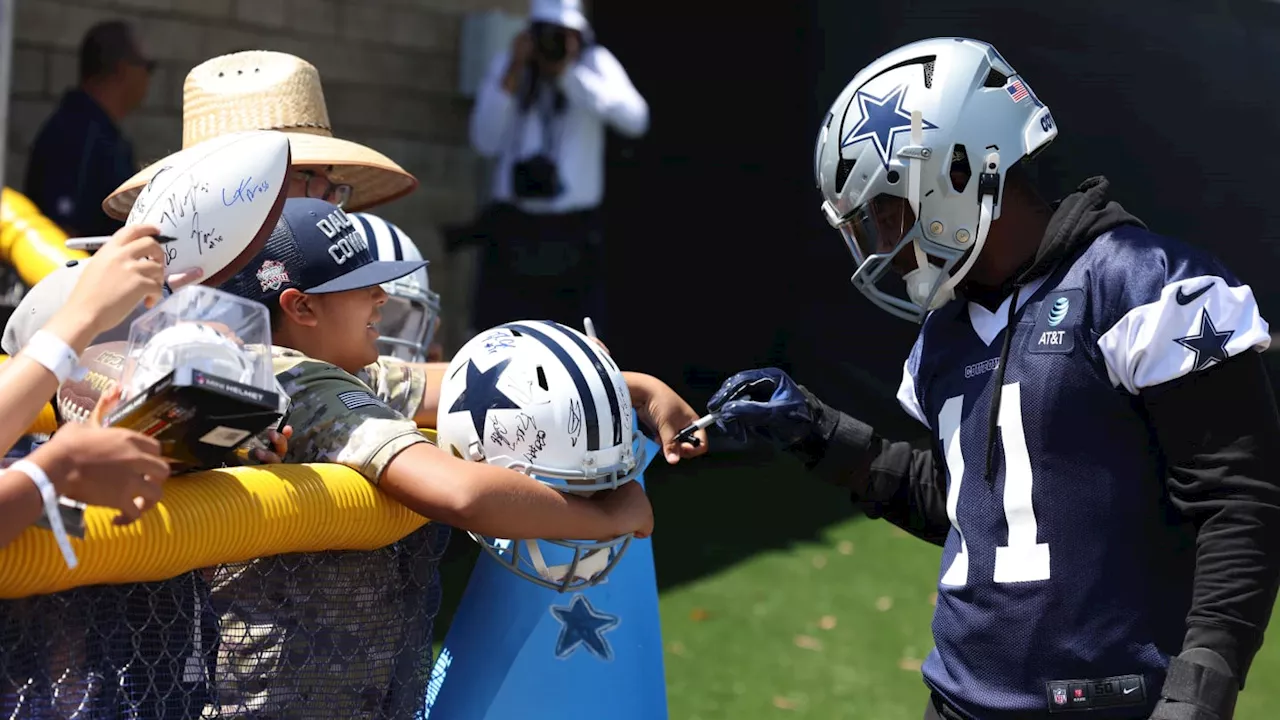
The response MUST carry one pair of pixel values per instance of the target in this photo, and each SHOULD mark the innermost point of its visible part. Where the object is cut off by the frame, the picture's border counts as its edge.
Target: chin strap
(984, 226)
(921, 281)
(914, 172)
(589, 564)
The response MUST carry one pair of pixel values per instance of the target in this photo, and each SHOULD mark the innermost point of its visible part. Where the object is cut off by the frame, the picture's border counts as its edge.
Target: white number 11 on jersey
(1022, 559)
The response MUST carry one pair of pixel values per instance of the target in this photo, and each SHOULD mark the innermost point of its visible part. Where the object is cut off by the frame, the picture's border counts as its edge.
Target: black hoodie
(1219, 472)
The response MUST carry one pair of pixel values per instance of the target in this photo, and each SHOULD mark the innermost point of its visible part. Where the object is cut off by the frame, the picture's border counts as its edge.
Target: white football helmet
(409, 317)
(543, 399)
(191, 344)
(915, 152)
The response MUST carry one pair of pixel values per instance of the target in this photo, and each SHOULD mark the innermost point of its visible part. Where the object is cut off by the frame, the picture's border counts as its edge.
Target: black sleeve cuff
(1222, 642)
(838, 449)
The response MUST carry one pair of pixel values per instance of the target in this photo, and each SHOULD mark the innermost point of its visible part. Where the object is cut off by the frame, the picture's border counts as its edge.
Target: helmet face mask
(410, 316)
(408, 323)
(879, 245)
(911, 163)
(566, 565)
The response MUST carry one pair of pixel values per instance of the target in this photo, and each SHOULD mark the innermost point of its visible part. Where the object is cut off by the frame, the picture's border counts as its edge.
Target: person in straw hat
(263, 90)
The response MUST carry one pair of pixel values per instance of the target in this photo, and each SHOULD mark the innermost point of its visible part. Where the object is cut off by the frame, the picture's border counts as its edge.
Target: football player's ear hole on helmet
(961, 173)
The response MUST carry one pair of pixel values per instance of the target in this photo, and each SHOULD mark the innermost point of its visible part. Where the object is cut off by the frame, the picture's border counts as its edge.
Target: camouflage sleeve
(396, 383)
(336, 419)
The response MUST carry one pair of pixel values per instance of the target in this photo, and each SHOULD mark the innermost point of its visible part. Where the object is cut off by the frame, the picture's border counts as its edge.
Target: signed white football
(218, 200)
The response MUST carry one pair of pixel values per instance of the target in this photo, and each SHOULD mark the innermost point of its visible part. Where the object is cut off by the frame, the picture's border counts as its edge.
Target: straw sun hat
(260, 90)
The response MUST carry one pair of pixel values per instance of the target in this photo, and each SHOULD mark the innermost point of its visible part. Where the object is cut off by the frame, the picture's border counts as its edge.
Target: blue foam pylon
(518, 650)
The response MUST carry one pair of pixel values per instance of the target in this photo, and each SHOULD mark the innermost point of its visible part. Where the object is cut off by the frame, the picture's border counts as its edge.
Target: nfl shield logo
(1059, 696)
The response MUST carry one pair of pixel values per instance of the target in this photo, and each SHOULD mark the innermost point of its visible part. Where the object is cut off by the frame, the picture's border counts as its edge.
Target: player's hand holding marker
(766, 402)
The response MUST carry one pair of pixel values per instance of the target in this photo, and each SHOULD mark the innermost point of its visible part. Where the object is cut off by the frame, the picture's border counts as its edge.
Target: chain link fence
(298, 636)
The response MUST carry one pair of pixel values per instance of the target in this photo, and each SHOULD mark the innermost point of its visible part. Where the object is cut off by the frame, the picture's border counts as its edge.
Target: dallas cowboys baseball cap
(45, 299)
(317, 249)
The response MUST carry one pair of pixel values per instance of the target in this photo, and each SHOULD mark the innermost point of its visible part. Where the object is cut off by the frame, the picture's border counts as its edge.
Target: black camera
(549, 41)
(536, 178)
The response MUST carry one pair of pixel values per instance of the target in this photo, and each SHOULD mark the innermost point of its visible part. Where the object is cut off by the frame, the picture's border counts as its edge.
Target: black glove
(1199, 686)
(765, 402)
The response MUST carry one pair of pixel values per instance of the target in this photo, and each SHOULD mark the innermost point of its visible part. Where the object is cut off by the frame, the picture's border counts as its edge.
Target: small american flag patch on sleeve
(354, 399)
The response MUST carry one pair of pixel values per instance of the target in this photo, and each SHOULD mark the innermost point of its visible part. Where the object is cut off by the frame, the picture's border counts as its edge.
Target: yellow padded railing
(206, 518)
(29, 241)
(214, 517)
(35, 246)
(210, 518)
(46, 422)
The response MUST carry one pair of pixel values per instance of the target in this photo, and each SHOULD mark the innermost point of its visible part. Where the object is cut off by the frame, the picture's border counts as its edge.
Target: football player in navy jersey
(1102, 477)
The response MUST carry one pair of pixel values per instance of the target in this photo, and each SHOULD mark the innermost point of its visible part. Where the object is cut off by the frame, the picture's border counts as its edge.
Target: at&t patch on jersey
(1056, 321)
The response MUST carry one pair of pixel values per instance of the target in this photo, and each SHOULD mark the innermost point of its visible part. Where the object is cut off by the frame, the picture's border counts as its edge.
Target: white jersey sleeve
(1178, 311)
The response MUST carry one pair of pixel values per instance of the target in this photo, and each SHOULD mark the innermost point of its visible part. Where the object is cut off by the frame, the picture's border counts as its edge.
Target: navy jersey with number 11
(1066, 579)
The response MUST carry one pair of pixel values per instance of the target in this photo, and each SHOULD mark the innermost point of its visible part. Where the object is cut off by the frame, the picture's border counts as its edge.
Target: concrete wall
(390, 73)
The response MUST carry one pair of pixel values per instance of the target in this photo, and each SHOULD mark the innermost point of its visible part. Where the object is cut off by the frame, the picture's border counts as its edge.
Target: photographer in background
(542, 111)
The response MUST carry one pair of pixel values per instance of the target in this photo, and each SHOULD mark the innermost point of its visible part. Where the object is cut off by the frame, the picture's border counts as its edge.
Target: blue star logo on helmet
(1058, 312)
(883, 119)
(481, 394)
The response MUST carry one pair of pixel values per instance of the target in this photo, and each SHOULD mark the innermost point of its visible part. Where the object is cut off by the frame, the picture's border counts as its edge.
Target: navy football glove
(1198, 686)
(765, 402)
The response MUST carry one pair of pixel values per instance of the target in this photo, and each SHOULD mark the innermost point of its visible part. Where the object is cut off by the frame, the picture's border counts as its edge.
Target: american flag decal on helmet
(1017, 90)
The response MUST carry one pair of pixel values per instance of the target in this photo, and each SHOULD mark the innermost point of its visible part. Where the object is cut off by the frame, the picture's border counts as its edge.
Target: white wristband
(50, 496)
(52, 352)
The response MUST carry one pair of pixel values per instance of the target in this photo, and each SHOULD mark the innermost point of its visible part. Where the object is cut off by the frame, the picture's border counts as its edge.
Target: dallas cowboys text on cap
(316, 248)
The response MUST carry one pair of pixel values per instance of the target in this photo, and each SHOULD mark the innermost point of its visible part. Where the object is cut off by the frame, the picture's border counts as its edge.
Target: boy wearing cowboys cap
(323, 287)
(1102, 473)
(264, 90)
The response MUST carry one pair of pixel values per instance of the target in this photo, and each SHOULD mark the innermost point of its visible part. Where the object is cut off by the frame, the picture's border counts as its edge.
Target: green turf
(750, 642)
(828, 629)
(792, 606)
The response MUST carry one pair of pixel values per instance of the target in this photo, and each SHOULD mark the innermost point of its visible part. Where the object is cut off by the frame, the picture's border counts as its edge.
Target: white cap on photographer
(565, 13)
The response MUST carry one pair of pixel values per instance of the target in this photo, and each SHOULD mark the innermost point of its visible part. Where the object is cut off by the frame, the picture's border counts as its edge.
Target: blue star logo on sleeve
(482, 394)
(1210, 346)
(583, 625)
(883, 119)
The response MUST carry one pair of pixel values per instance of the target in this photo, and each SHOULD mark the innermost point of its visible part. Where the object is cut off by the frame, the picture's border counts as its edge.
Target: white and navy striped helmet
(409, 317)
(543, 399)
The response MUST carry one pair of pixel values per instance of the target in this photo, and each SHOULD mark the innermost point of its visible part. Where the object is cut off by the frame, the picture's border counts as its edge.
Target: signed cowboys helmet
(543, 399)
(914, 154)
(409, 317)
(191, 344)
